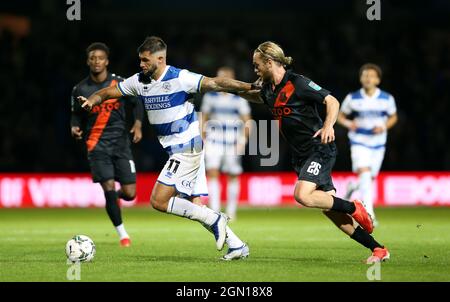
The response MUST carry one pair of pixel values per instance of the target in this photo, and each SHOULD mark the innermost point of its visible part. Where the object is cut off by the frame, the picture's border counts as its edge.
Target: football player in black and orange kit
(106, 136)
(293, 100)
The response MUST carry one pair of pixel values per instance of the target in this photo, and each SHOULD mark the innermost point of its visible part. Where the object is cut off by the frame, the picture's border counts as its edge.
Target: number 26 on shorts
(314, 168)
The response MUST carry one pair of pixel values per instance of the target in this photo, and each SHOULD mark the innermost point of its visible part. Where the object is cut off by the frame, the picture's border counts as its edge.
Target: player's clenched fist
(85, 104)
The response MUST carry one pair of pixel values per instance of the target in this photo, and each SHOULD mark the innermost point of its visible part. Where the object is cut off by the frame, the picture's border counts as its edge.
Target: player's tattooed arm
(253, 96)
(99, 96)
(223, 84)
(327, 131)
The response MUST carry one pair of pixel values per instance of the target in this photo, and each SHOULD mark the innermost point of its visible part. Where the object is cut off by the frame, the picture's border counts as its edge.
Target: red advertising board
(257, 189)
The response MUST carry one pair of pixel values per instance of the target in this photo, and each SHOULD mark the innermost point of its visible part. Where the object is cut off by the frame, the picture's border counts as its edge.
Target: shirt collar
(163, 74)
(374, 96)
(284, 80)
(108, 78)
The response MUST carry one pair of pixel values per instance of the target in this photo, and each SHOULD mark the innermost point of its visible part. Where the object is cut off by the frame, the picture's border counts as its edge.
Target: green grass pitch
(287, 244)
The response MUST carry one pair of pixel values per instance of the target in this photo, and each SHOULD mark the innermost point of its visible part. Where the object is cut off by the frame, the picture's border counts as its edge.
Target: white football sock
(184, 208)
(232, 240)
(366, 189)
(122, 232)
(214, 194)
(233, 187)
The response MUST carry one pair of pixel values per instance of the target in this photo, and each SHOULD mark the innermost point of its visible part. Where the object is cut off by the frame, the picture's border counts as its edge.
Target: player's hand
(378, 129)
(350, 125)
(76, 132)
(137, 131)
(257, 85)
(85, 104)
(326, 135)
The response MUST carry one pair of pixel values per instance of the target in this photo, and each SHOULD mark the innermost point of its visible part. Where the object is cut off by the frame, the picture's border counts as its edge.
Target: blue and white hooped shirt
(168, 109)
(369, 111)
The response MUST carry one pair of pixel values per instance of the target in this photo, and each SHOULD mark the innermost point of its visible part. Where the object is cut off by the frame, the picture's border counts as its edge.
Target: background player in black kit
(106, 136)
(293, 100)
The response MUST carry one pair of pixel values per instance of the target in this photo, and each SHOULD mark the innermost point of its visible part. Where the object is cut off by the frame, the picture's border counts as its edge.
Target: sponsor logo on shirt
(156, 102)
(106, 107)
(278, 112)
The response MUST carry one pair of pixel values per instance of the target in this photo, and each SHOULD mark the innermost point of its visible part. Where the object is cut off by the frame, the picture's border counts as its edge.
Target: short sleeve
(74, 104)
(392, 108)
(244, 108)
(76, 116)
(129, 86)
(305, 88)
(190, 81)
(206, 103)
(345, 107)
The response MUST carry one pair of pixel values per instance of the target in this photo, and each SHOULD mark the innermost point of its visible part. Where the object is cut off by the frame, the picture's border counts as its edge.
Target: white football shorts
(185, 172)
(218, 158)
(367, 157)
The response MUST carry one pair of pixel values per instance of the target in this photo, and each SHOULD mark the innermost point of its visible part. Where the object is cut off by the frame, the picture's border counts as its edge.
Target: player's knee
(158, 204)
(108, 185)
(232, 177)
(155, 203)
(304, 199)
(212, 173)
(128, 194)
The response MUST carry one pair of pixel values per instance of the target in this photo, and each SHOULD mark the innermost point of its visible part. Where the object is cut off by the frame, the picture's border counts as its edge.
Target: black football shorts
(118, 165)
(316, 168)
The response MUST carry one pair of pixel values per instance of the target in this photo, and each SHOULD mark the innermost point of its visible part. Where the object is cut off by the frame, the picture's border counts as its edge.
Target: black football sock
(362, 237)
(113, 208)
(343, 206)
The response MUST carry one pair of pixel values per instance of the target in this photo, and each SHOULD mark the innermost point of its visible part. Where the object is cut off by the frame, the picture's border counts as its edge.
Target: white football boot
(237, 253)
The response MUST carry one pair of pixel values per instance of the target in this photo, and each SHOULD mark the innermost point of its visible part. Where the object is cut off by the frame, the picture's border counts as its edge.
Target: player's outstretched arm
(223, 84)
(253, 96)
(99, 96)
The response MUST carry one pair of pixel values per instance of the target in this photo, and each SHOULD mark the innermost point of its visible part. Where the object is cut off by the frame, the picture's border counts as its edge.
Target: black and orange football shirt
(294, 103)
(105, 124)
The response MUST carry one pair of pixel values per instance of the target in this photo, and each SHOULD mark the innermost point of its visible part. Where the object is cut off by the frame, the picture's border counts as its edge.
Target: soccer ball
(80, 248)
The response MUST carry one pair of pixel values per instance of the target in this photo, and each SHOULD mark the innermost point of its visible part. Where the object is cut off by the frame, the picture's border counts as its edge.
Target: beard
(151, 71)
(266, 77)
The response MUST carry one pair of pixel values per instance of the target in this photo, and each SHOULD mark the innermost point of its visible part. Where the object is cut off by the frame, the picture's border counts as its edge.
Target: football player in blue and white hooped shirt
(164, 91)
(374, 113)
(226, 133)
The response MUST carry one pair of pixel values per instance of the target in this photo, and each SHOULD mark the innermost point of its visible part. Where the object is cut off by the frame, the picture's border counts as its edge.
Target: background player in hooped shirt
(107, 141)
(165, 91)
(368, 114)
(311, 142)
(224, 116)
